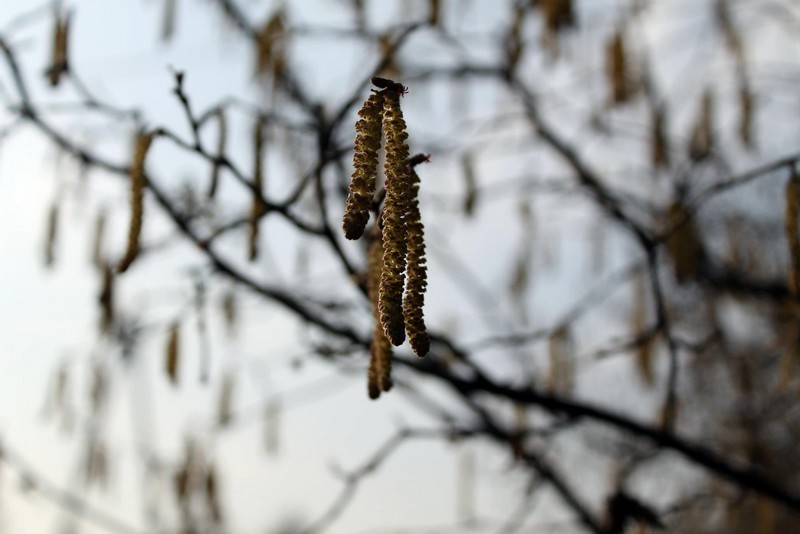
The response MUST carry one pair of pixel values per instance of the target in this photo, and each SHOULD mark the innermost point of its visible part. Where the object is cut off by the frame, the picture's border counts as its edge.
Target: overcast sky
(49, 316)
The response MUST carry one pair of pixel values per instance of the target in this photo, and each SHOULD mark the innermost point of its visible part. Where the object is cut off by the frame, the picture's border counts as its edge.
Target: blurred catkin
(97, 240)
(138, 183)
(659, 142)
(224, 405)
(106, 299)
(172, 353)
(50, 238)
(617, 69)
(59, 62)
(701, 143)
(257, 205)
(434, 12)
(746, 110)
(230, 311)
(271, 46)
(212, 494)
(562, 365)
(168, 20)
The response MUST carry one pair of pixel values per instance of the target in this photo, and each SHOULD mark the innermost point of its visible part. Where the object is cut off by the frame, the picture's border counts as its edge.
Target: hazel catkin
(380, 363)
(138, 181)
(396, 264)
(416, 275)
(365, 163)
(398, 196)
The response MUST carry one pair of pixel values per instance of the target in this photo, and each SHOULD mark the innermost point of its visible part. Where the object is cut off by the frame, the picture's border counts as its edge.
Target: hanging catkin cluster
(397, 270)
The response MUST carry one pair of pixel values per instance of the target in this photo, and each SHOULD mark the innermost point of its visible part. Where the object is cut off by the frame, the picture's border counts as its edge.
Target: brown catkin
(644, 349)
(181, 483)
(725, 22)
(212, 494)
(617, 69)
(97, 241)
(270, 41)
(360, 14)
(470, 184)
(59, 55)
(746, 115)
(365, 164)
(416, 275)
(790, 336)
(386, 44)
(61, 387)
(138, 182)
(562, 365)
(257, 205)
(792, 230)
(514, 42)
(520, 279)
(380, 362)
(558, 14)
(106, 299)
(230, 311)
(701, 143)
(684, 246)
(434, 12)
(96, 466)
(398, 193)
(172, 353)
(98, 388)
(374, 370)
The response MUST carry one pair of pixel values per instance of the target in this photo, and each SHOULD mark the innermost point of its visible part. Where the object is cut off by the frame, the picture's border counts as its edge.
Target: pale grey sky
(49, 316)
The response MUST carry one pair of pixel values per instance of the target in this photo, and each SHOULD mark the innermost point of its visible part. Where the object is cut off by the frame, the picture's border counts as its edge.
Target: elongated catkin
(398, 196)
(138, 182)
(365, 164)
